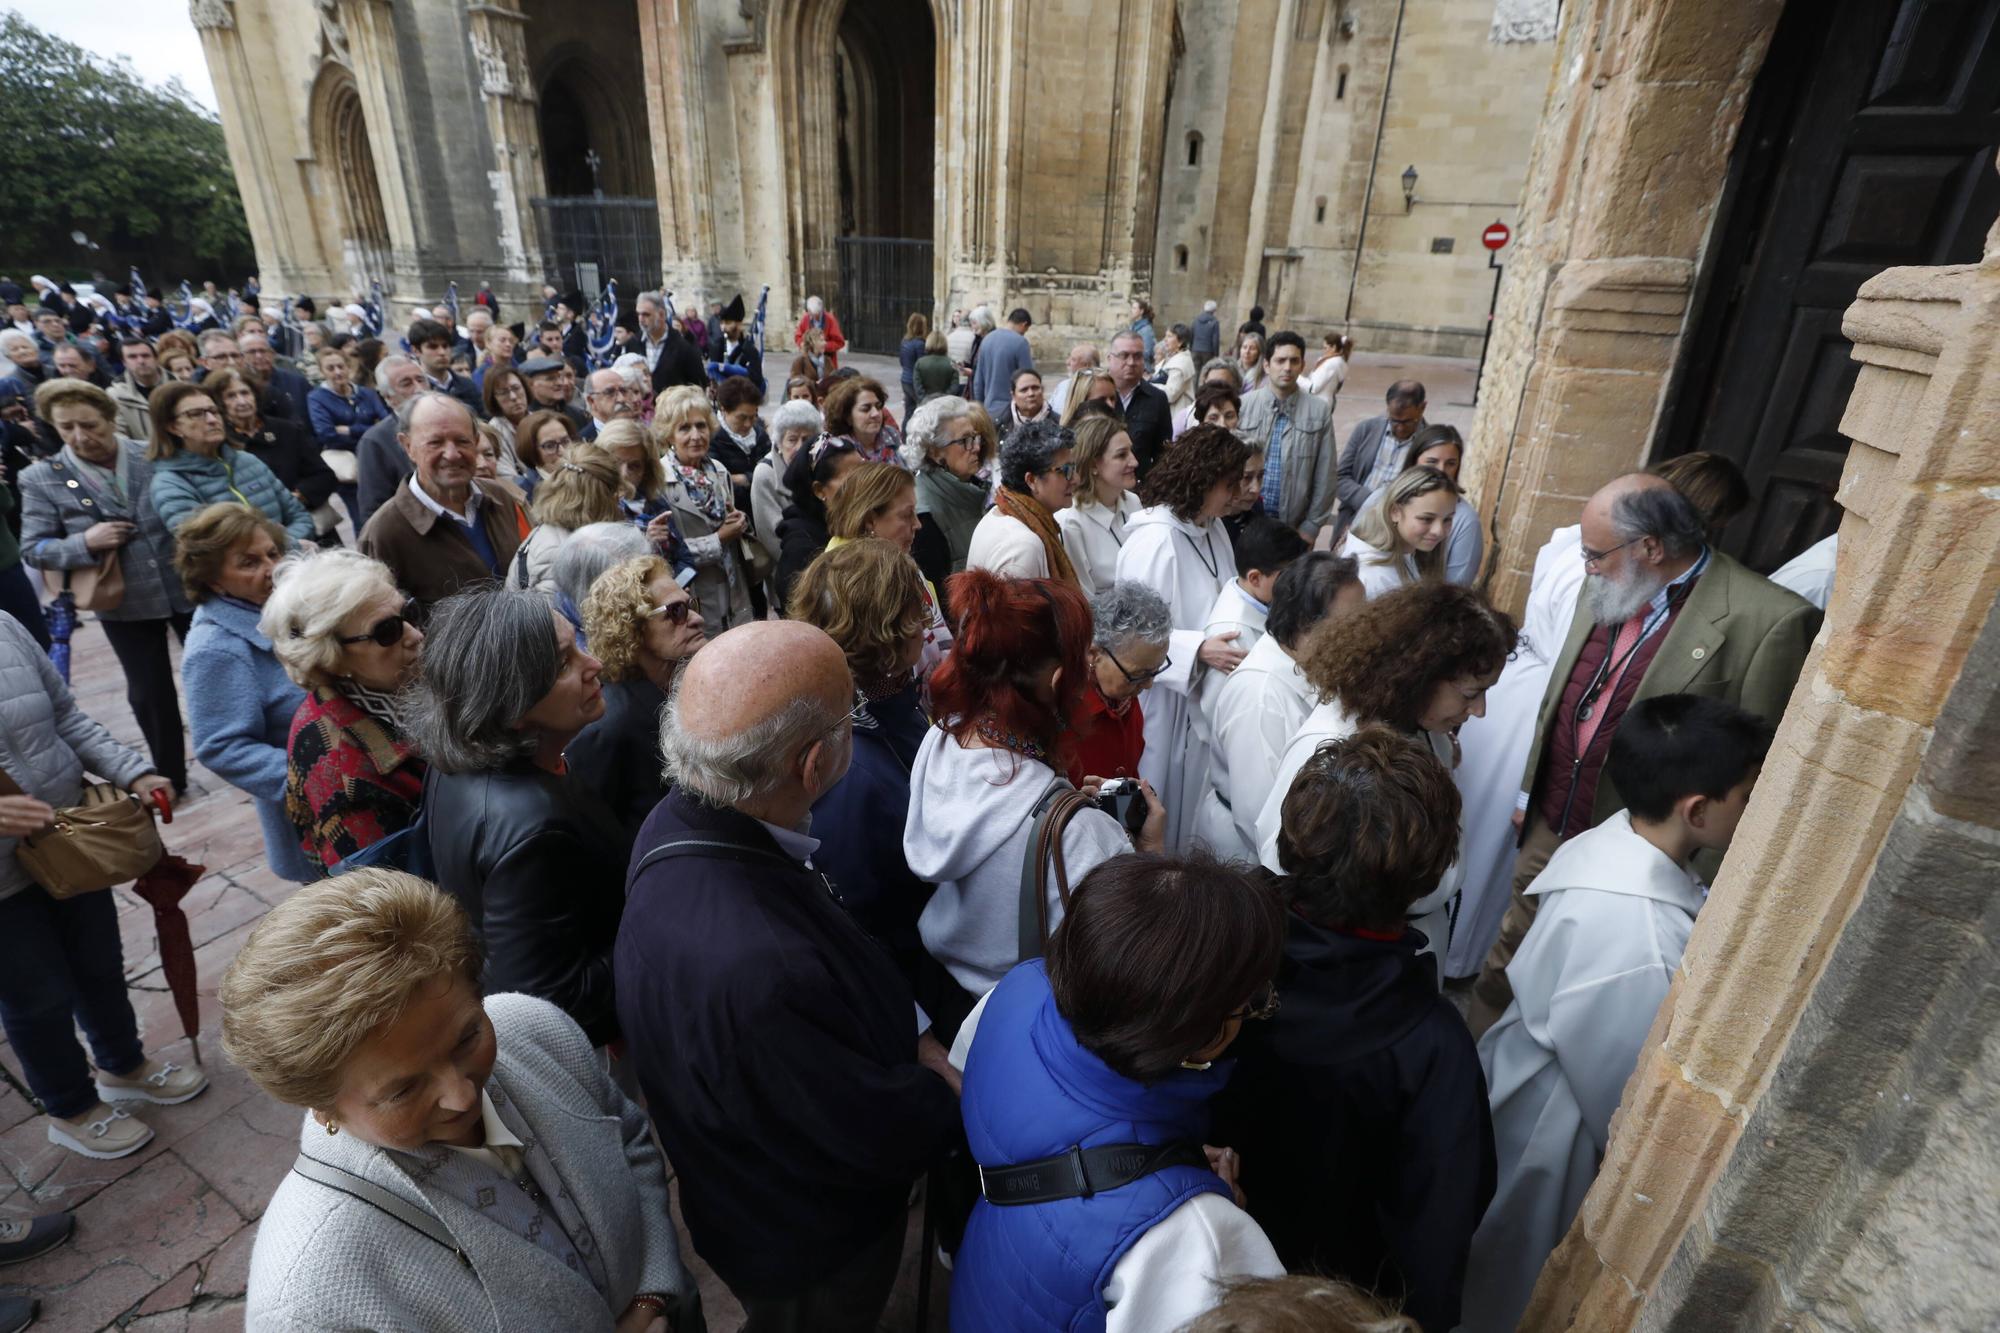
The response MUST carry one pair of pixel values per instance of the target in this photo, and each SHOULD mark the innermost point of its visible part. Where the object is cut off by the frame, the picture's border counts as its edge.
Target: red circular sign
(1495, 236)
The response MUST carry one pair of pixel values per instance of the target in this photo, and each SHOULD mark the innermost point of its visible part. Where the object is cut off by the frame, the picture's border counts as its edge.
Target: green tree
(86, 145)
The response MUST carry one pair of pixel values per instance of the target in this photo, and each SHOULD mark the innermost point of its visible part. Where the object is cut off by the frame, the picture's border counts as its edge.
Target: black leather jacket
(542, 875)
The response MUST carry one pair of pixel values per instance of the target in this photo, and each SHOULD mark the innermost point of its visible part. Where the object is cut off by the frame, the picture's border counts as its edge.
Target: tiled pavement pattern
(163, 1237)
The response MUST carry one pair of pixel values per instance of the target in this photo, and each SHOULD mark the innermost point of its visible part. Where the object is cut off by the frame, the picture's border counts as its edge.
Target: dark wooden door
(1868, 143)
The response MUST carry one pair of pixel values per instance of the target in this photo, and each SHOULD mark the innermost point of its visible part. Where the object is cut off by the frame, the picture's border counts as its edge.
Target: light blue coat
(240, 707)
(188, 482)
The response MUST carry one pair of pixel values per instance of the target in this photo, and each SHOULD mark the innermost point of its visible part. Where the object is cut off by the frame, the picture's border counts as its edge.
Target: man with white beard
(1662, 612)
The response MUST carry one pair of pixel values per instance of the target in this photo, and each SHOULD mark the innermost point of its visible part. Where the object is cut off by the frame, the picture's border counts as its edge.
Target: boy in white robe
(1263, 549)
(1617, 906)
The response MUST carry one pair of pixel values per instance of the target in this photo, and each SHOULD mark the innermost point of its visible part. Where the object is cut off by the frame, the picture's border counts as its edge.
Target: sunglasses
(675, 612)
(388, 631)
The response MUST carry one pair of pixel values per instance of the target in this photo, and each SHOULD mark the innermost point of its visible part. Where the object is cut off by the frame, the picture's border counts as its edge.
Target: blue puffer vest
(1032, 1091)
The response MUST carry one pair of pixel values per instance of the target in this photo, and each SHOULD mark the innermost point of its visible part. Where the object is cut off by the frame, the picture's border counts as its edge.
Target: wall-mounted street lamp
(1409, 187)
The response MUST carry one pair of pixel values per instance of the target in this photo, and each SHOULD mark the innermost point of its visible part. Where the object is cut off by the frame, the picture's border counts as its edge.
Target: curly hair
(1187, 472)
(865, 496)
(868, 597)
(616, 610)
(1214, 395)
(205, 538)
(1385, 661)
(839, 406)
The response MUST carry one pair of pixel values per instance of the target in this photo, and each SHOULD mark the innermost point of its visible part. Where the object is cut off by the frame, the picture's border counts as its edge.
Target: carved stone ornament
(495, 80)
(211, 14)
(332, 33)
(1525, 20)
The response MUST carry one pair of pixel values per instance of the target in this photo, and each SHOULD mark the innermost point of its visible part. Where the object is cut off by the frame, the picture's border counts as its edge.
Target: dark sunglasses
(676, 613)
(388, 631)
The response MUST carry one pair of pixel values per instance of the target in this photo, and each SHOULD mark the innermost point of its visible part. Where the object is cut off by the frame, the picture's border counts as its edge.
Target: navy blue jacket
(777, 1049)
(291, 389)
(1360, 1112)
(870, 875)
(328, 410)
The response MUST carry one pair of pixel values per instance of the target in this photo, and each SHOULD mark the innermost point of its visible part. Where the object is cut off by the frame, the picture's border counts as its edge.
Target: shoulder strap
(1082, 1172)
(1053, 812)
(411, 1216)
(693, 846)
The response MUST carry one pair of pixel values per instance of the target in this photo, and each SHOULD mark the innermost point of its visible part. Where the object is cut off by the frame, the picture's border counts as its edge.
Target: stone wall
(1807, 1141)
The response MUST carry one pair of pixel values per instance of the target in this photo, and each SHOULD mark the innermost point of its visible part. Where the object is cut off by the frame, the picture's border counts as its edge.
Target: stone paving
(163, 1237)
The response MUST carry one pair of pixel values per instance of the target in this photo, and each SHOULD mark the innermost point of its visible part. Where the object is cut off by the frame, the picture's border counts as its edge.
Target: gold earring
(332, 1127)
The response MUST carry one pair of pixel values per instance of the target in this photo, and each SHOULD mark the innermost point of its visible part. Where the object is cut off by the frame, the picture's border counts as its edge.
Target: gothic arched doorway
(340, 142)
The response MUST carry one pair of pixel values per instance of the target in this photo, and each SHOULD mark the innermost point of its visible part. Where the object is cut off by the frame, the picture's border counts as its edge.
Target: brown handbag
(1057, 807)
(107, 838)
(98, 587)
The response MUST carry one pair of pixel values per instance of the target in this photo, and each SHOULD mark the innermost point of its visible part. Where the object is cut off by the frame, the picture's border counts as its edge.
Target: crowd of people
(1084, 802)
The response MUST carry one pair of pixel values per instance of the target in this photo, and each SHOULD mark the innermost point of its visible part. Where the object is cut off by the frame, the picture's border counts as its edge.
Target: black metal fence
(883, 280)
(589, 239)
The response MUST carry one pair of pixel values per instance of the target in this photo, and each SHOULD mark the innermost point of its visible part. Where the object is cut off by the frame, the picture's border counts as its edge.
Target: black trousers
(849, 1301)
(141, 646)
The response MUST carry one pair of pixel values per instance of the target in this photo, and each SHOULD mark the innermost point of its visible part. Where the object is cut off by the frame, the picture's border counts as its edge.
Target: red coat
(1108, 744)
(835, 340)
(349, 781)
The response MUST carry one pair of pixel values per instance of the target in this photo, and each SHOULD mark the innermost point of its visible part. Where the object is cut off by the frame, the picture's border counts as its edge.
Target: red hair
(1008, 631)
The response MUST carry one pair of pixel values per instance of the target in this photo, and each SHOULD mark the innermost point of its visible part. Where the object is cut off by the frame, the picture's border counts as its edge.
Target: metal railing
(883, 279)
(591, 238)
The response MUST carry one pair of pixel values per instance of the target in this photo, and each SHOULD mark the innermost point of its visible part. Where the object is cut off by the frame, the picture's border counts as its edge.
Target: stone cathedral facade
(1332, 160)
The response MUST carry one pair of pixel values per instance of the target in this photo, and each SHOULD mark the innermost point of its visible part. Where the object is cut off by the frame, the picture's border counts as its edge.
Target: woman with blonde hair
(641, 625)
(704, 507)
(461, 1161)
(879, 500)
(1400, 538)
(343, 630)
(1089, 385)
(583, 488)
(1107, 476)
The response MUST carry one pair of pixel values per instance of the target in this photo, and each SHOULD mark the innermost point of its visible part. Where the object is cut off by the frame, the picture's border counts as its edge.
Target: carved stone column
(499, 46)
(369, 27)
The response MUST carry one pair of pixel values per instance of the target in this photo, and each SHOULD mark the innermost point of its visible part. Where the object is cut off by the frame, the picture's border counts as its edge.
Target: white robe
(1188, 566)
(1496, 750)
(1432, 914)
(1237, 612)
(1093, 535)
(1378, 575)
(1248, 717)
(1614, 920)
(1810, 572)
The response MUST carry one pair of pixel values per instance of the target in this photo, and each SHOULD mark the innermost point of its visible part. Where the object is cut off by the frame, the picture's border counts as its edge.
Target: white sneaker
(162, 1083)
(103, 1132)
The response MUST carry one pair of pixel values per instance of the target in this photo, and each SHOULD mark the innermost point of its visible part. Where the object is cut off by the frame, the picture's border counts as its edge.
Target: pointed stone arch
(582, 107)
(360, 249)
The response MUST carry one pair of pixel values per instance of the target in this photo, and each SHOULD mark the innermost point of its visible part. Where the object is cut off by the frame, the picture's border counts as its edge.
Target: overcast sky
(154, 34)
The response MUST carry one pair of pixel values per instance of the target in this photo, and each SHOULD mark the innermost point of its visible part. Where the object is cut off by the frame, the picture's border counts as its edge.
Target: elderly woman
(879, 500)
(813, 477)
(1176, 376)
(933, 373)
(194, 465)
(541, 870)
(1250, 360)
(704, 507)
(1018, 537)
(285, 447)
(641, 625)
(506, 398)
(1114, 1044)
(948, 453)
(540, 441)
(1107, 476)
(581, 489)
(92, 498)
(1179, 548)
(462, 1163)
(1400, 537)
(1419, 661)
(869, 597)
(793, 426)
(644, 500)
(1002, 701)
(1217, 403)
(590, 551)
(1130, 626)
(340, 413)
(241, 701)
(739, 439)
(857, 408)
(342, 630)
(60, 958)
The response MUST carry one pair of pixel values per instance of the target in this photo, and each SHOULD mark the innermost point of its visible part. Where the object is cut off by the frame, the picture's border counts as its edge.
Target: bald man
(778, 1046)
(1662, 612)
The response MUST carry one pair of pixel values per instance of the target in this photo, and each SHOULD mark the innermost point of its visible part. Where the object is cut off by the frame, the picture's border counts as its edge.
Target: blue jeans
(62, 967)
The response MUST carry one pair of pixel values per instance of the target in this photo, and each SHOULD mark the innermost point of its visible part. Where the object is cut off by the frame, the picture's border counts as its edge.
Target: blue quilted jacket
(188, 482)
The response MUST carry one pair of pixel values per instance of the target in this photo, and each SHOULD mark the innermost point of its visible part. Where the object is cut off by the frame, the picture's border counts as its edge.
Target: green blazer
(1740, 637)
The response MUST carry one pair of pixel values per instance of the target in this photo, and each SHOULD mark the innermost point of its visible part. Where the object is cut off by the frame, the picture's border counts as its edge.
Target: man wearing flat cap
(545, 378)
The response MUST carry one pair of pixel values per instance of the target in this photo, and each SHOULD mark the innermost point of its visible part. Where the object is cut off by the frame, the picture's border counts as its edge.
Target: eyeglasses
(1591, 557)
(1067, 471)
(972, 442)
(386, 632)
(1259, 1009)
(675, 612)
(198, 412)
(1140, 677)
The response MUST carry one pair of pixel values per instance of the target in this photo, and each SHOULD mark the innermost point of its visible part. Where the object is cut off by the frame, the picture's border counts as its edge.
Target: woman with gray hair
(590, 550)
(1130, 625)
(794, 425)
(948, 452)
(540, 873)
(342, 629)
(1019, 538)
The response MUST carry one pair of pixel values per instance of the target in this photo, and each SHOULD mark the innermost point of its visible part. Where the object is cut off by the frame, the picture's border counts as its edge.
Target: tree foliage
(86, 145)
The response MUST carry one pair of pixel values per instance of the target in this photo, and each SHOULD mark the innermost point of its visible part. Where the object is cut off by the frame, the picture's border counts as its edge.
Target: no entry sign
(1495, 236)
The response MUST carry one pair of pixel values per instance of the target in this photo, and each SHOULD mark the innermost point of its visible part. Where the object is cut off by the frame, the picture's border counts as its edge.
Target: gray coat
(327, 1260)
(57, 506)
(1357, 465)
(46, 741)
(1309, 464)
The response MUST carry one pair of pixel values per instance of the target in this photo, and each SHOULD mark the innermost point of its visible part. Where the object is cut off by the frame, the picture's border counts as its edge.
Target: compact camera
(1123, 801)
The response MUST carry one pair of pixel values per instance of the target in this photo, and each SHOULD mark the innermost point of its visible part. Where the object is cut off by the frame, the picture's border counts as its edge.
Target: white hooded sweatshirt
(967, 833)
(1614, 919)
